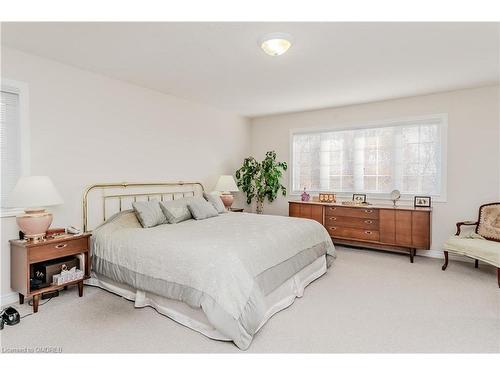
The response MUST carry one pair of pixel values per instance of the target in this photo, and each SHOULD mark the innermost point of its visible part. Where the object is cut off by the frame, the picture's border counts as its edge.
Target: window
(404, 155)
(13, 137)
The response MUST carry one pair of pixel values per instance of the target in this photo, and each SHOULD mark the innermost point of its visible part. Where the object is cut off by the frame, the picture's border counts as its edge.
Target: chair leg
(498, 276)
(476, 264)
(445, 261)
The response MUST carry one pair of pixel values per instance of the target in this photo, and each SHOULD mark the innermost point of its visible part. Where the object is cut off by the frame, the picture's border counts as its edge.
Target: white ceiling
(220, 64)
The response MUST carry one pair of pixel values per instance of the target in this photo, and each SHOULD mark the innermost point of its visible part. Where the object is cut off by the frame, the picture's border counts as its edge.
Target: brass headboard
(117, 197)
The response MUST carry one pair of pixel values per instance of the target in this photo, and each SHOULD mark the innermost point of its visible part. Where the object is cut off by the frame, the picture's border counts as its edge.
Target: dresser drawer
(56, 250)
(363, 212)
(353, 233)
(351, 222)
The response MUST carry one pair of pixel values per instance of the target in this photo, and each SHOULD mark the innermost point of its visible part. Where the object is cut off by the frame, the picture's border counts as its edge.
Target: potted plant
(261, 180)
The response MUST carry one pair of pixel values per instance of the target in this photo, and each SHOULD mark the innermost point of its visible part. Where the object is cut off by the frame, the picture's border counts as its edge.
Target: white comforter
(224, 265)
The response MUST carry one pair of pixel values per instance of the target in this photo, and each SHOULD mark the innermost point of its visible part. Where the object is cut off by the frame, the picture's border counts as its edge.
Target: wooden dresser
(402, 229)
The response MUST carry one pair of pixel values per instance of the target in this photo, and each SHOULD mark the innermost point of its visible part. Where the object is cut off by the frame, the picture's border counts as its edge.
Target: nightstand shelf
(51, 288)
(24, 255)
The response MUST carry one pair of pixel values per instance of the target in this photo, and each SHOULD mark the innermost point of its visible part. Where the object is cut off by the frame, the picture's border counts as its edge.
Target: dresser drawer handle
(368, 211)
(333, 218)
(61, 245)
(333, 228)
(368, 221)
(333, 208)
(368, 232)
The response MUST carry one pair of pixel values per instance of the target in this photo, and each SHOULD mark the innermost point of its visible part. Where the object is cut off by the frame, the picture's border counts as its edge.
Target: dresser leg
(80, 289)
(412, 254)
(36, 299)
(476, 264)
(21, 298)
(445, 261)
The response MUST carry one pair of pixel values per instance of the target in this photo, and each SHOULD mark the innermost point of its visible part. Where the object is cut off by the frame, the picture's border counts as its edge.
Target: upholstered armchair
(481, 244)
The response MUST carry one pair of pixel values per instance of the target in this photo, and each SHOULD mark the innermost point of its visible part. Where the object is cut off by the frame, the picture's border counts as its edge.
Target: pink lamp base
(228, 200)
(34, 223)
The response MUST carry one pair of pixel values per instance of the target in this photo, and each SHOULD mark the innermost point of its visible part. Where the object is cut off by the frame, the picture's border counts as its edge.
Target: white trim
(10, 212)
(22, 89)
(439, 254)
(8, 299)
(443, 120)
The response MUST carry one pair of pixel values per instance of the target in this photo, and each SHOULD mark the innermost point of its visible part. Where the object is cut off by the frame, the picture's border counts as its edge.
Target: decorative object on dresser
(27, 257)
(327, 197)
(400, 229)
(305, 196)
(483, 243)
(261, 180)
(422, 201)
(226, 185)
(34, 192)
(395, 196)
(359, 198)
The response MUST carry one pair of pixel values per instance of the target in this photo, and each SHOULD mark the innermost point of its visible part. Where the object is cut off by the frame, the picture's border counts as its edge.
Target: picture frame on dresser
(359, 198)
(422, 201)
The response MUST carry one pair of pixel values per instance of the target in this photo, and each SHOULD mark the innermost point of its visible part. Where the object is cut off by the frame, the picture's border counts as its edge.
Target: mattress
(227, 266)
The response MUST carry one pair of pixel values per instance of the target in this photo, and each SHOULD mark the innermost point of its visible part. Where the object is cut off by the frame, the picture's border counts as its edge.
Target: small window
(403, 155)
(13, 137)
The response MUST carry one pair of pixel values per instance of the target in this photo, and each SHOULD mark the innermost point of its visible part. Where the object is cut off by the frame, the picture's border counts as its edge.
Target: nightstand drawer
(57, 250)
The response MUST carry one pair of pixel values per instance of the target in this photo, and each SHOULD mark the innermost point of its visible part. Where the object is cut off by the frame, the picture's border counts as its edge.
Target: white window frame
(21, 89)
(442, 117)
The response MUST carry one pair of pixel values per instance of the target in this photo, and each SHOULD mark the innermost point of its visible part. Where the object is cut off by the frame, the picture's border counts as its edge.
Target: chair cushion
(489, 222)
(477, 248)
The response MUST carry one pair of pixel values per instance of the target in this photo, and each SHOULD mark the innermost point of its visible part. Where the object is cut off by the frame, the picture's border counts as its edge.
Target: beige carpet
(368, 302)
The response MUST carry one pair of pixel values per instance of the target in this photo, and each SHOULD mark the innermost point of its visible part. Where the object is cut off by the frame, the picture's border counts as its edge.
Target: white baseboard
(8, 298)
(440, 255)
(431, 253)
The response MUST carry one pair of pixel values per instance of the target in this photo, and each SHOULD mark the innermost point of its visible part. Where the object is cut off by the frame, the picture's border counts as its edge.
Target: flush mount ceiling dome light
(275, 44)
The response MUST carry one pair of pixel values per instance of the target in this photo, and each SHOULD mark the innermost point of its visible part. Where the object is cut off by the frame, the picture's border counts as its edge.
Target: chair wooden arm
(460, 223)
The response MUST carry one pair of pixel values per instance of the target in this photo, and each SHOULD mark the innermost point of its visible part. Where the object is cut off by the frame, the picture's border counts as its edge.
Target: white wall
(86, 128)
(473, 146)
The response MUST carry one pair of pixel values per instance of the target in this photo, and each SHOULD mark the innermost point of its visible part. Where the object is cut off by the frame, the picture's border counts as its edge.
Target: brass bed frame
(179, 189)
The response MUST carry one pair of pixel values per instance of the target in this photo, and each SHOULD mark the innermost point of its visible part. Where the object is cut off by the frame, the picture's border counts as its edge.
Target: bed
(224, 276)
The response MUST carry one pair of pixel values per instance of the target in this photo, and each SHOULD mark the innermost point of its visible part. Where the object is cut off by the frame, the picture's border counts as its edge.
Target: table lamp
(34, 192)
(226, 185)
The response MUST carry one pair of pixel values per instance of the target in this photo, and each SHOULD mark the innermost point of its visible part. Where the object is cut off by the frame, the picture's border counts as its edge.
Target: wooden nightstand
(236, 209)
(24, 254)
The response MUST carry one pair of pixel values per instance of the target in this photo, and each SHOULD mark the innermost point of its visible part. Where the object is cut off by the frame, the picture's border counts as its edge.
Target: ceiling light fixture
(275, 44)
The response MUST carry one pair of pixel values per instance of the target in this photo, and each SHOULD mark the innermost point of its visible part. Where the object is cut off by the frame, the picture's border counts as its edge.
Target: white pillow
(201, 209)
(149, 213)
(215, 201)
(176, 210)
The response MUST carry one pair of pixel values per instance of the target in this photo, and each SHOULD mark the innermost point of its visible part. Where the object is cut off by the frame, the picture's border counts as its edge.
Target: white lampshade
(226, 183)
(34, 191)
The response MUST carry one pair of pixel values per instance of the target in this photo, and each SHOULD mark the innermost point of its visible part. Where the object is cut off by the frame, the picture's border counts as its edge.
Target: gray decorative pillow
(176, 210)
(149, 213)
(201, 209)
(215, 201)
